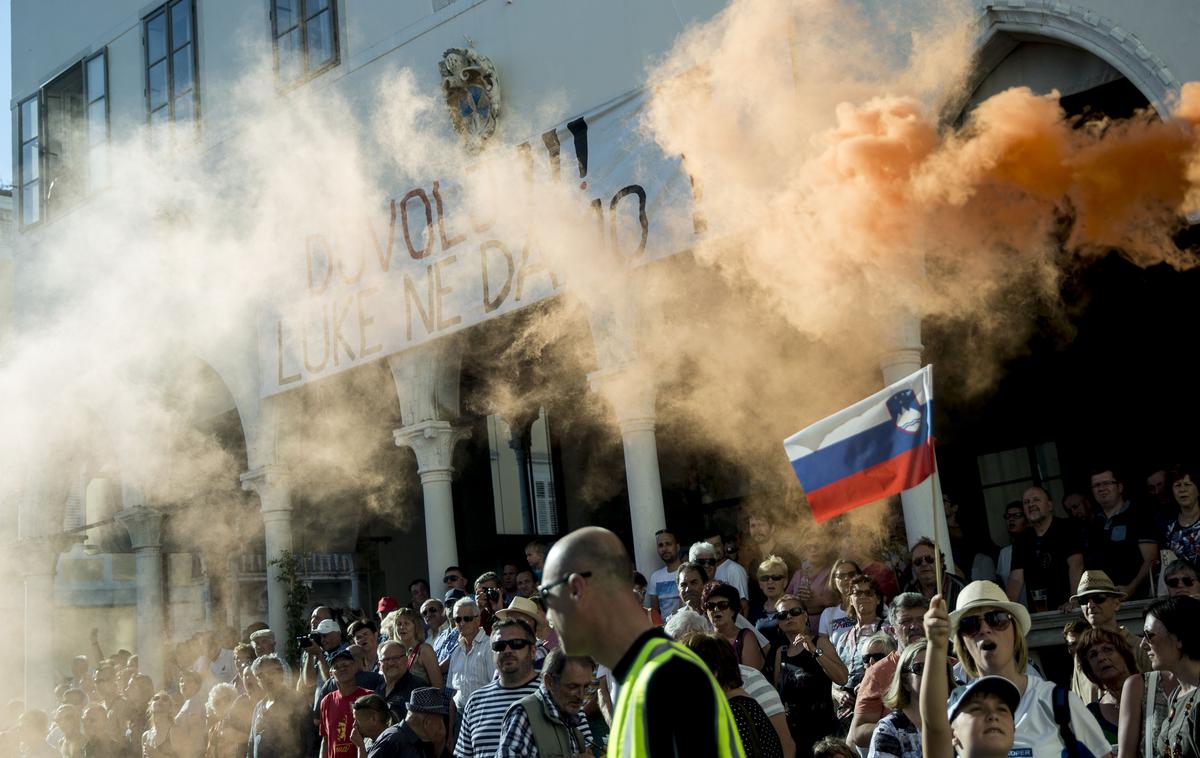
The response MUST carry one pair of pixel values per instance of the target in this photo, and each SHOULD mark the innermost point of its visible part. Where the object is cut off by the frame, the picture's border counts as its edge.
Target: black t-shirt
(1044, 561)
(676, 725)
(1112, 546)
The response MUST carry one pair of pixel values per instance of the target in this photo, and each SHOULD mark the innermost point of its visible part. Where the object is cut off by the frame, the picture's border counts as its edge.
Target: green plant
(298, 593)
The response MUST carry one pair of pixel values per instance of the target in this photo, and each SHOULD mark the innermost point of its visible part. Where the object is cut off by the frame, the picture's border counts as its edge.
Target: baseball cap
(327, 626)
(996, 685)
(343, 653)
(452, 595)
(387, 604)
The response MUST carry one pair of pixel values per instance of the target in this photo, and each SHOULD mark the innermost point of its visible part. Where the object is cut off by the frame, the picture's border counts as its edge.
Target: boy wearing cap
(337, 715)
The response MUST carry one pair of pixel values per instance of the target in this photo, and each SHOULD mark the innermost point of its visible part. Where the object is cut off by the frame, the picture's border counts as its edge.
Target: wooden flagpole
(937, 503)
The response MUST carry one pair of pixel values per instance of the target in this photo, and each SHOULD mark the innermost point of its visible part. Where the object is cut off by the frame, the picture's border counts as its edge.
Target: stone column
(145, 534)
(39, 559)
(433, 442)
(271, 484)
(632, 399)
(516, 441)
(904, 334)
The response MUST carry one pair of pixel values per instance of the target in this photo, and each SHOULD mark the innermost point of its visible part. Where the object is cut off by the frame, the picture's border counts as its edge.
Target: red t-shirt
(337, 719)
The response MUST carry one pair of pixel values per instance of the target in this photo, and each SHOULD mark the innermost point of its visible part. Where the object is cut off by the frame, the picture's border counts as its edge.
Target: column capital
(258, 479)
(433, 442)
(144, 526)
(630, 394)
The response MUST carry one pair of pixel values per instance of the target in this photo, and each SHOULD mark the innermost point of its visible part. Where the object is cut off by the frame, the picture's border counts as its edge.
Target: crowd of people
(790, 651)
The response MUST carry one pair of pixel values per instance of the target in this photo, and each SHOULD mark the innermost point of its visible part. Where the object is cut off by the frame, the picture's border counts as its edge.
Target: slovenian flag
(871, 450)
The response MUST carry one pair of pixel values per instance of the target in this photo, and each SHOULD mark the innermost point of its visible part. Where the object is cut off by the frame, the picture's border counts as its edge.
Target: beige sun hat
(985, 594)
(1096, 583)
(525, 606)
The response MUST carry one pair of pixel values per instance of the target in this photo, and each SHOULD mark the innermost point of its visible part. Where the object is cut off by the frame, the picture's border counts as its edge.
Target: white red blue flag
(873, 449)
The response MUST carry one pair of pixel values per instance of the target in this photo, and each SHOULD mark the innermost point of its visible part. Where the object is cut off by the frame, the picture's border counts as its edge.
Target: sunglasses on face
(464, 619)
(790, 613)
(517, 644)
(545, 589)
(771, 578)
(917, 668)
(450, 579)
(1096, 599)
(431, 612)
(926, 561)
(1176, 582)
(717, 605)
(706, 561)
(869, 658)
(996, 620)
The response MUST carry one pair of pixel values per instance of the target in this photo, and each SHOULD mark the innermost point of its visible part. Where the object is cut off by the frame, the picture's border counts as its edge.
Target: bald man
(588, 587)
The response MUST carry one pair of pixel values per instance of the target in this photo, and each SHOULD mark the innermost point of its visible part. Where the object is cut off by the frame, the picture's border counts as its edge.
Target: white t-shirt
(731, 572)
(828, 616)
(1037, 733)
(741, 622)
(664, 587)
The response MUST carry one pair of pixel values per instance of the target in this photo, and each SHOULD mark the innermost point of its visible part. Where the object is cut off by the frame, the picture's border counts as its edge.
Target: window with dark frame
(171, 92)
(305, 33)
(63, 136)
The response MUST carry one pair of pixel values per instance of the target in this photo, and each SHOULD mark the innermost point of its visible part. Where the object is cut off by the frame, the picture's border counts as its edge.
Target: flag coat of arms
(873, 449)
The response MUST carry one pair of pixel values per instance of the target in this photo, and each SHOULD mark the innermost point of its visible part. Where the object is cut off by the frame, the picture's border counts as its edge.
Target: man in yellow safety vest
(668, 704)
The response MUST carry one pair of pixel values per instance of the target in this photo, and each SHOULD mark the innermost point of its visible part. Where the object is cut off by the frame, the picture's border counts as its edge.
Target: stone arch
(1006, 23)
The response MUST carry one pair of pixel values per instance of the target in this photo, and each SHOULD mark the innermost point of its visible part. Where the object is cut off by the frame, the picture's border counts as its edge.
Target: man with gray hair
(471, 665)
(906, 614)
(548, 721)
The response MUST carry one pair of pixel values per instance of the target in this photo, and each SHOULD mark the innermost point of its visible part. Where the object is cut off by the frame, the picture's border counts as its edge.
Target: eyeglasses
(996, 620)
(544, 590)
(431, 611)
(451, 578)
(464, 619)
(1096, 599)
(580, 689)
(517, 644)
(1104, 484)
(845, 575)
(717, 605)
(790, 613)
(1013, 516)
(1180, 581)
(869, 658)
(706, 561)
(390, 658)
(926, 561)
(917, 668)
(771, 578)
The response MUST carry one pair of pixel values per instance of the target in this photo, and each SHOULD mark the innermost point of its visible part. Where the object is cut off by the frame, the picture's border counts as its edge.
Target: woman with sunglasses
(866, 607)
(1172, 641)
(898, 734)
(720, 602)
(404, 626)
(772, 581)
(837, 615)
(804, 670)
(989, 640)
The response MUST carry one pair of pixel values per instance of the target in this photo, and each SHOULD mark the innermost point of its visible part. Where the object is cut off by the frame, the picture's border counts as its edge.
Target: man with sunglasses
(441, 634)
(471, 665)
(924, 571)
(669, 704)
(1100, 600)
(550, 722)
(455, 579)
(512, 647)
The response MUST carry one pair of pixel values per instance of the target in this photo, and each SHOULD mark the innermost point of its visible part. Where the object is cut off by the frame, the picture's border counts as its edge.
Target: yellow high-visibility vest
(627, 738)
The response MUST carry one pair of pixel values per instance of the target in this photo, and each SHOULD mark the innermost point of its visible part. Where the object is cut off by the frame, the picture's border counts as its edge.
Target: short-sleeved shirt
(1184, 541)
(1044, 561)
(1037, 733)
(731, 572)
(337, 719)
(664, 587)
(484, 716)
(875, 683)
(895, 736)
(1112, 546)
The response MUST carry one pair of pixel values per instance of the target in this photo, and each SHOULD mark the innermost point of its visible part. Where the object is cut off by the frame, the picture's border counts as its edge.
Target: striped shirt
(479, 736)
(757, 687)
(470, 670)
(516, 733)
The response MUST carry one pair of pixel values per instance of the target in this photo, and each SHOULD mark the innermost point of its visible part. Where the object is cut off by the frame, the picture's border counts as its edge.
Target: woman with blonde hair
(405, 626)
(898, 734)
(160, 719)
